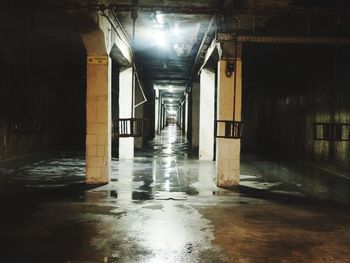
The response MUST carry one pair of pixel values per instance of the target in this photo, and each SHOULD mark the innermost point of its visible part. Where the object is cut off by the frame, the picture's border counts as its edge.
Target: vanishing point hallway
(175, 131)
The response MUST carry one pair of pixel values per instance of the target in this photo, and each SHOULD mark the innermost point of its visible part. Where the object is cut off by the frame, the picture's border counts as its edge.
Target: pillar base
(228, 162)
(126, 148)
(91, 181)
(221, 182)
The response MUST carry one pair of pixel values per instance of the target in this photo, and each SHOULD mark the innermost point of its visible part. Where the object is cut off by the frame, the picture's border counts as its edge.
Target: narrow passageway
(170, 142)
(169, 149)
(163, 169)
(175, 131)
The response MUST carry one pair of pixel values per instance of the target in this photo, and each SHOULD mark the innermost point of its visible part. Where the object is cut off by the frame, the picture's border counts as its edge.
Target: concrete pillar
(195, 116)
(163, 116)
(138, 114)
(126, 145)
(156, 112)
(206, 115)
(159, 116)
(180, 115)
(98, 109)
(186, 114)
(228, 150)
(183, 117)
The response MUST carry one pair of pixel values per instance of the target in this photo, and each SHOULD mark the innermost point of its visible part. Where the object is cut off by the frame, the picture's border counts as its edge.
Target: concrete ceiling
(171, 37)
(181, 25)
(172, 65)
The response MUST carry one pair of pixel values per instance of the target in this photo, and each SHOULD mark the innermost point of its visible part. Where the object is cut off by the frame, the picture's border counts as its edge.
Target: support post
(186, 114)
(206, 115)
(98, 110)
(229, 108)
(126, 145)
(156, 112)
(139, 114)
(195, 115)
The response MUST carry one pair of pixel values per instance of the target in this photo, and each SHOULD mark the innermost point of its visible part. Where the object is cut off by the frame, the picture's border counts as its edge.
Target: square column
(228, 150)
(206, 115)
(138, 113)
(195, 115)
(98, 110)
(163, 116)
(186, 114)
(126, 145)
(156, 112)
(183, 117)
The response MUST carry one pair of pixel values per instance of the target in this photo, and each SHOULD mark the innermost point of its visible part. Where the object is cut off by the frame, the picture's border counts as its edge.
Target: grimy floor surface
(163, 206)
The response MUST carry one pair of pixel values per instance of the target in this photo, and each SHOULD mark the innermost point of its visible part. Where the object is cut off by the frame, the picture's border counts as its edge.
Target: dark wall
(42, 84)
(289, 88)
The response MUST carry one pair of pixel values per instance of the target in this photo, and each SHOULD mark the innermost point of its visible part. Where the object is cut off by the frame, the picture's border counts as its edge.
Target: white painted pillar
(186, 114)
(98, 109)
(180, 117)
(228, 150)
(183, 119)
(163, 116)
(195, 115)
(206, 115)
(160, 115)
(126, 145)
(138, 112)
(156, 112)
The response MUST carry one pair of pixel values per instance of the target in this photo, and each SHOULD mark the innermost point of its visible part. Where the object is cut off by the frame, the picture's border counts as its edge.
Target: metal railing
(228, 129)
(131, 127)
(331, 131)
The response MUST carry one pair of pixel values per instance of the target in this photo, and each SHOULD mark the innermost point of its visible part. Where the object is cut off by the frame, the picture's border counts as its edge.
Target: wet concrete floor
(279, 213)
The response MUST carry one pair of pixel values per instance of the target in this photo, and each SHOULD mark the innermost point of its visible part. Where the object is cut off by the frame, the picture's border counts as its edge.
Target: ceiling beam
(315, 40)
(179, 9)
(266, 10)
(208, 36)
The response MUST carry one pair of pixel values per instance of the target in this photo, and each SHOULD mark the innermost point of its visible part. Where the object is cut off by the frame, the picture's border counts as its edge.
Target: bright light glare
(167, 185)
(160, 38)
(170, 100)
(160, 18)
(176, 30)
(172, 112)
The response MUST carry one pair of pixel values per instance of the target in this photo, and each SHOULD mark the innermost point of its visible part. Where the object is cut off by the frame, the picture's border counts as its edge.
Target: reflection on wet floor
(166, 165)
(293, 178)
(44, 171)
(162, 170)
(50, 215)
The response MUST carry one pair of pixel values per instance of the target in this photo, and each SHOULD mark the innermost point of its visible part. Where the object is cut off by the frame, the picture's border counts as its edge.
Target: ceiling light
(159, 25)
(159, 18)
(176, 30)
(172, 112)
(160, 38)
